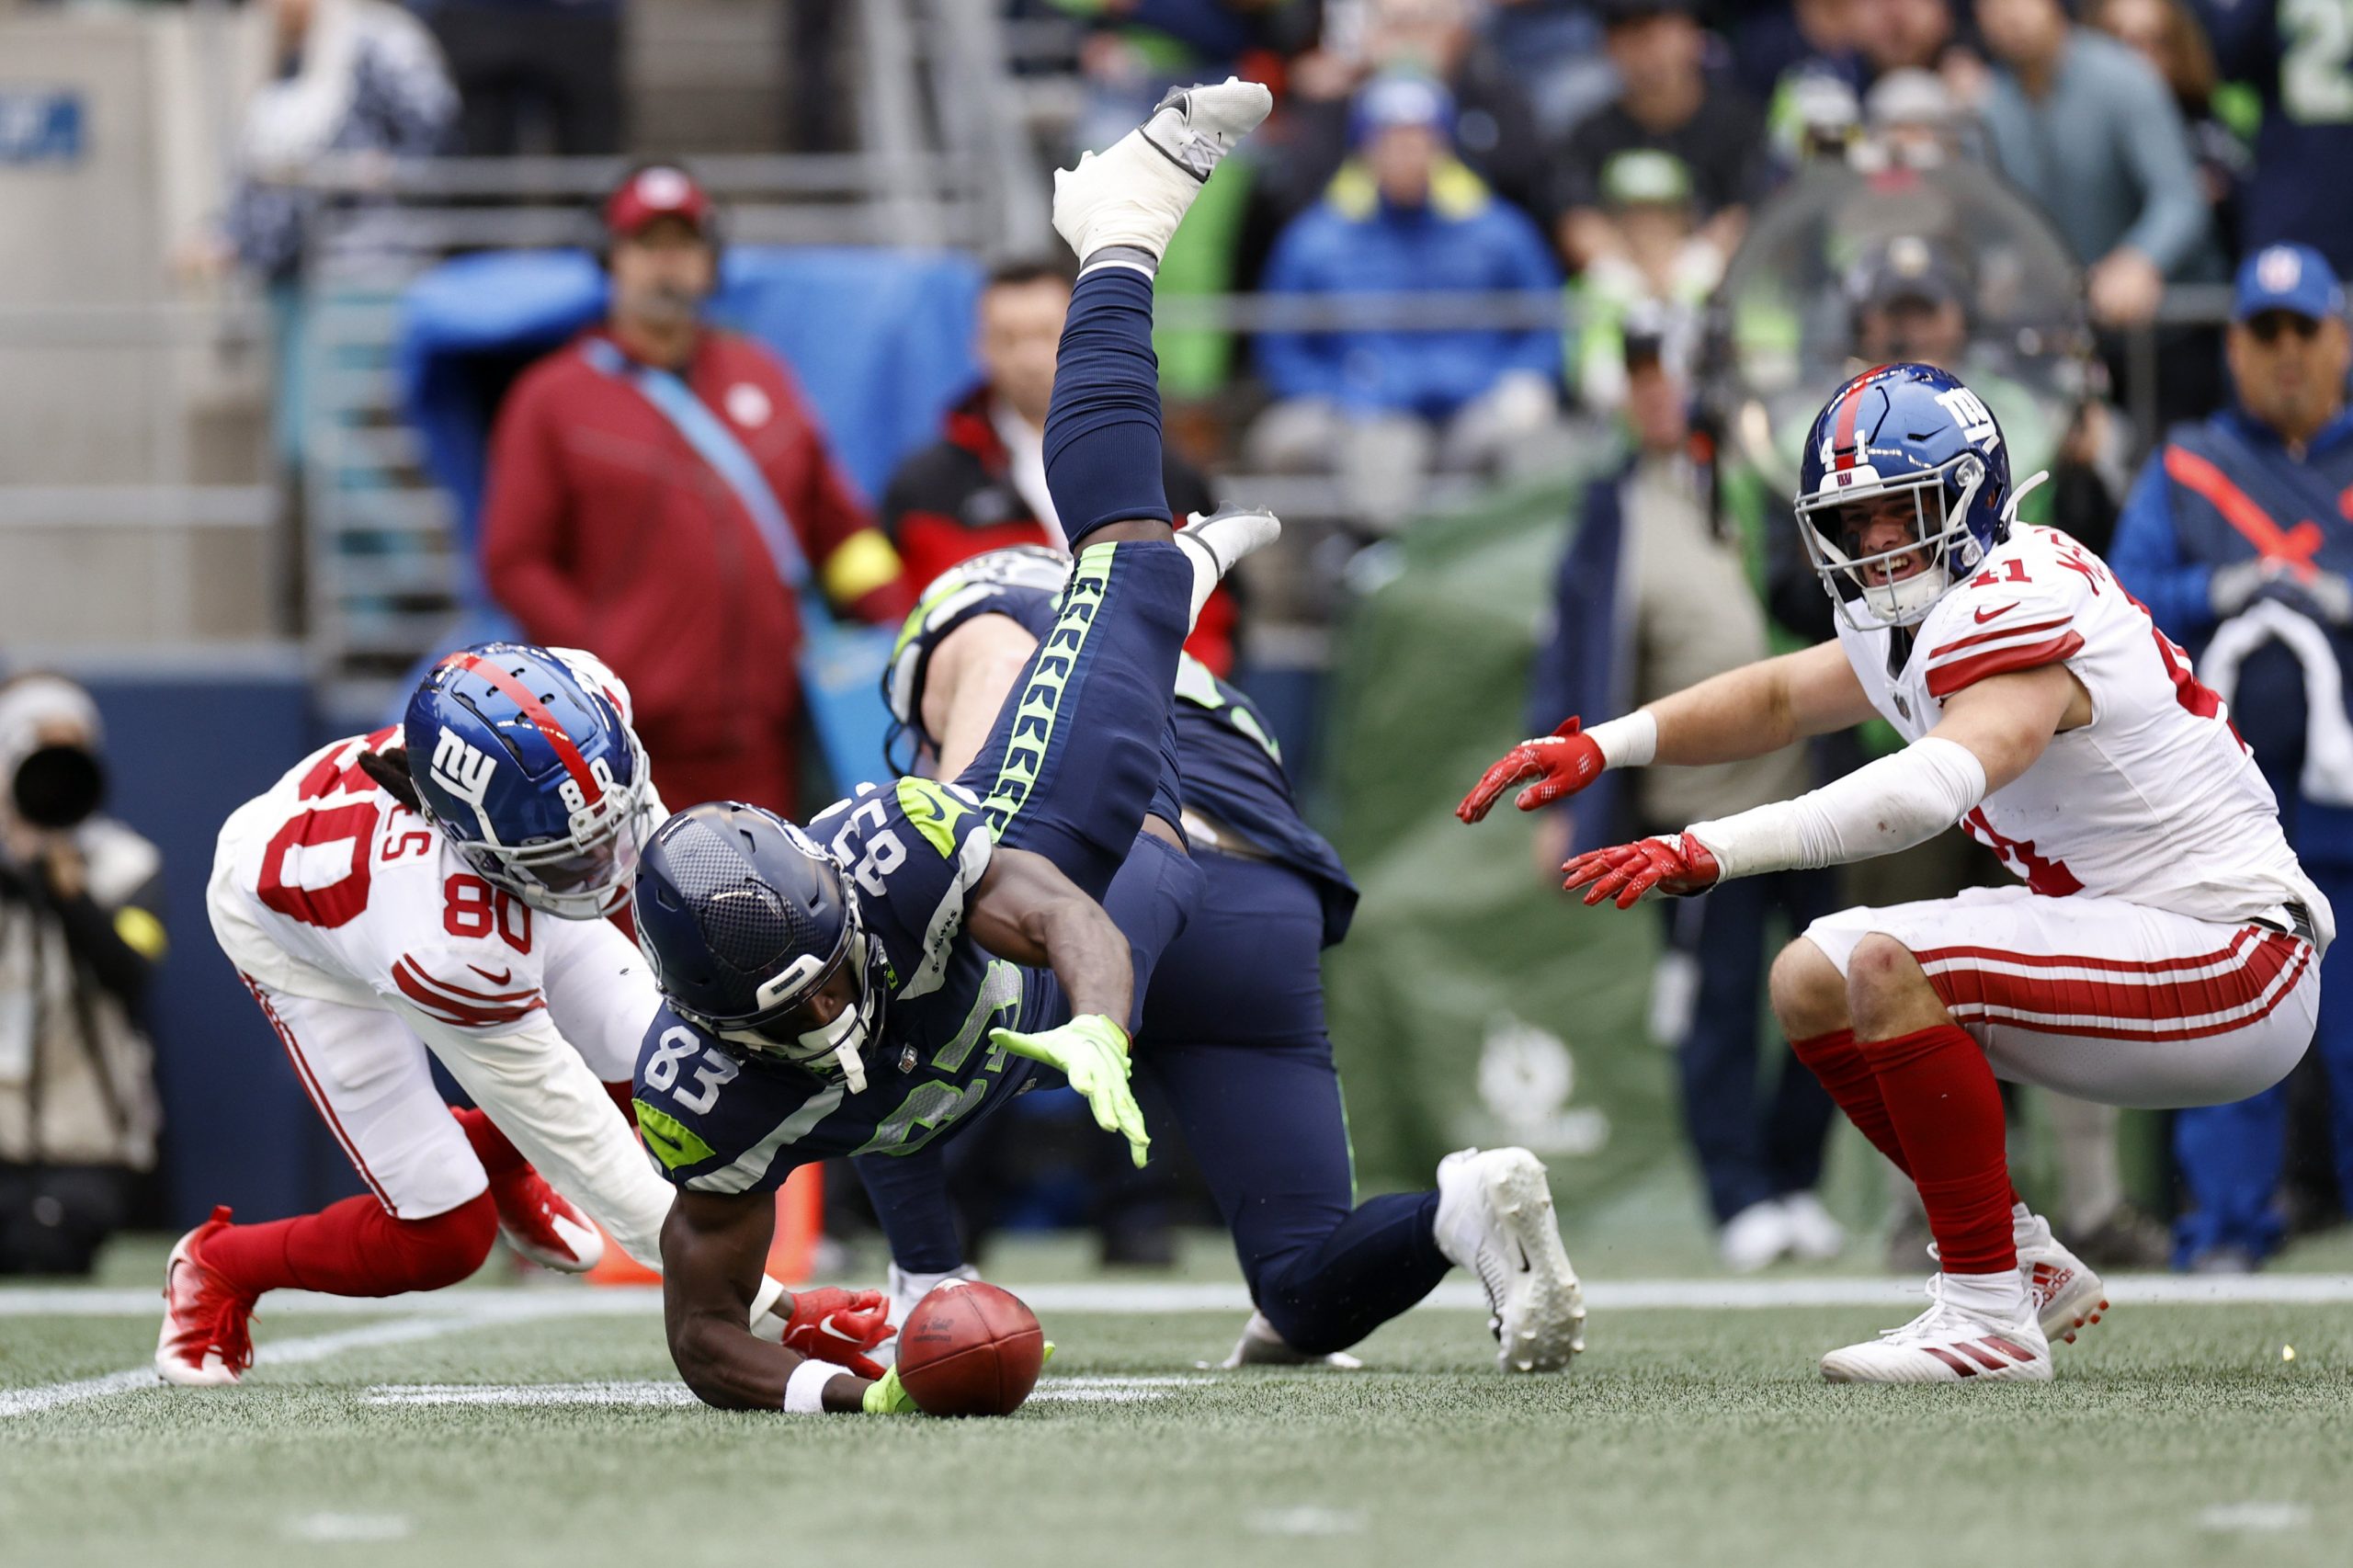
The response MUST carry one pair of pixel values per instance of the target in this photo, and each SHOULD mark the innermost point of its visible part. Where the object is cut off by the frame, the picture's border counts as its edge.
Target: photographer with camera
(79, 938)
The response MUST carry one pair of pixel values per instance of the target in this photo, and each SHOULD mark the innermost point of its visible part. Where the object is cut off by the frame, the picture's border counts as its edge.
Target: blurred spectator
(1662, 278)
(1382, 407)
(2166, 35)
(2294, 55)
(1141, 47)
(1494, 129)
(1772, 43)
(79, 938)
(1911, 114)
(2083, 126)
(535, 76)
(981, 486)
(652, 486)
(1907, 35)
(2237, 539)
(1664, 102)
(1651, 595)
(355, 78)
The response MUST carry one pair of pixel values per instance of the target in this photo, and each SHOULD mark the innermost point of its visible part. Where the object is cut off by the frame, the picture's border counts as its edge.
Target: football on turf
(970, 1349)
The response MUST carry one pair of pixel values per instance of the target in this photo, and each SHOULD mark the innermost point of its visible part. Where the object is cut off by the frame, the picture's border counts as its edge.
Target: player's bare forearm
(1026, 910)
(1758, 708)
(2007, 720)
(713, 1248)
(969, 675)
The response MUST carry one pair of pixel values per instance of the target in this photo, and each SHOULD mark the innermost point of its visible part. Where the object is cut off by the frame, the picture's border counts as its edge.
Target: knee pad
(446, 1248)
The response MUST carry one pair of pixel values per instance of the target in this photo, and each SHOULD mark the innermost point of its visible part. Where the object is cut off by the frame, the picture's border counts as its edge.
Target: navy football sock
(1103, 426)
(910, 1196)
(1377, 1262)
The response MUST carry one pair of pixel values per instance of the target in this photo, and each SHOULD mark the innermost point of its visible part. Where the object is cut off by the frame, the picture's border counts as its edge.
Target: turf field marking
(1121, 1298)
(1102, 1390)
(280, 1353)
(2254, 1518)
(341, 1528)
(1307, 1520)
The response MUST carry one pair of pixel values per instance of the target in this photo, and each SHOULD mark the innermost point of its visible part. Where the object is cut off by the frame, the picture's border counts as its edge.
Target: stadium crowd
(1616, 157)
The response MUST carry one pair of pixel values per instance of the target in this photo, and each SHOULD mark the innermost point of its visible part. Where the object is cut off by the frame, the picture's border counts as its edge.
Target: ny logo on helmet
(1968, 411)
(461, 768)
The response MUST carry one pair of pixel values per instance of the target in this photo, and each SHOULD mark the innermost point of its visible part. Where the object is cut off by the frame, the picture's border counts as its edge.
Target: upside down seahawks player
(906, 962)
(2164, 948)
(1232, 1035)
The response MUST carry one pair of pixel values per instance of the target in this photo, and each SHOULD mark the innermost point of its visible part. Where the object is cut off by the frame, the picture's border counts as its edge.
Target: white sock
(1998, 1296)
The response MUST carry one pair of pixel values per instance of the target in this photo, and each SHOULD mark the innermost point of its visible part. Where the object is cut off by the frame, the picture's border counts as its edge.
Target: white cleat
(1213, 541)
(1947, 1345)
(2067, 1296)
(1756, 1237)
(1495, 1218)
(1260, 1346)
(1134, 195)
(1815, 1236)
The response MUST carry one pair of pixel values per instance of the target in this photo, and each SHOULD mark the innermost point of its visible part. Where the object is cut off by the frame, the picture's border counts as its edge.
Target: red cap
(661, 190)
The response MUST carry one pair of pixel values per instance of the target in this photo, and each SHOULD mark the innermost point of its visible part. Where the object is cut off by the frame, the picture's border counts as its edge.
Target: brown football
(970, 1349)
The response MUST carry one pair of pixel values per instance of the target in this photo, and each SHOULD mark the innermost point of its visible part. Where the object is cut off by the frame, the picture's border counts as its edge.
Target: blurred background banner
(1473, 1001)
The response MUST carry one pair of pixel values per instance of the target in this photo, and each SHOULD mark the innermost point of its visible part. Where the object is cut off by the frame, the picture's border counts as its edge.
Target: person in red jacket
(981, 486)
(604, 528)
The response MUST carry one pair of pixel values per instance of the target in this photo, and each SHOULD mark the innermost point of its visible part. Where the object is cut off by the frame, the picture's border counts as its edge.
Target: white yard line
(407, 1330)
(1087, 1389)
(1123, 1299)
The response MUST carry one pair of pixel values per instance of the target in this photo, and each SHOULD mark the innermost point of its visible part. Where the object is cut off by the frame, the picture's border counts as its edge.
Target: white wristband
(804, 1392)
(1627, 742)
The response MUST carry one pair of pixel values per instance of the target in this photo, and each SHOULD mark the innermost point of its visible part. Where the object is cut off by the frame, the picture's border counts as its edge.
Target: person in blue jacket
(2238, 537)
(1403, 215)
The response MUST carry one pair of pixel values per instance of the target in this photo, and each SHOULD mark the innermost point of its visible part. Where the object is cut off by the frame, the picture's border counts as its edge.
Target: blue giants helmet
(745, 918)
(1907, 443)
(524, 759)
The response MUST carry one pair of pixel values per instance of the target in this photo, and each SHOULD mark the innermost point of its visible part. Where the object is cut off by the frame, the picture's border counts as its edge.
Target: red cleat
(206, 1339)
(542, 1224)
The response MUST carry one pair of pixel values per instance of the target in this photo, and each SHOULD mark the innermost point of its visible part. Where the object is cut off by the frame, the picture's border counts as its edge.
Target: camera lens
(58, 787)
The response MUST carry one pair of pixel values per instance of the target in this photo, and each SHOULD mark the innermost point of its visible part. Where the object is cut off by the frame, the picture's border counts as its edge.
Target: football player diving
(1233, 1035)
(907, 962)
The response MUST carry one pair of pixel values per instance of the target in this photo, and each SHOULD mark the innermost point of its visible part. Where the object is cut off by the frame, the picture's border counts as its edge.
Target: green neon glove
(1092, 1052)
(887, 1396)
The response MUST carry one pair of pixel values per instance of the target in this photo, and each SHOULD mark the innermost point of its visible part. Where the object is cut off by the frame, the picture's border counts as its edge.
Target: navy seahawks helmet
(1895, 437)
(743, 918)
(524, 759)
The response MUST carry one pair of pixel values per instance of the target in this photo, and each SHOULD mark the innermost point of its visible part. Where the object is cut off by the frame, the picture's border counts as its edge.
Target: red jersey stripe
(2021, 629)
(1946, 679)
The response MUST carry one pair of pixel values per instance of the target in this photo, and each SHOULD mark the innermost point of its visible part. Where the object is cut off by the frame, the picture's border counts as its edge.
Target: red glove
(835, 1326)
(1561, 764)
(1676, 867)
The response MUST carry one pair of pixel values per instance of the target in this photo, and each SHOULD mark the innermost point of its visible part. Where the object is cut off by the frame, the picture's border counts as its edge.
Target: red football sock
(497, 1153)
(1939, 1093)
(355, 1248)
(1846, 1073)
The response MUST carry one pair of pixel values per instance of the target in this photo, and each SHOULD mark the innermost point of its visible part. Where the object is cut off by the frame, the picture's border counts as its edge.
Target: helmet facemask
(833, 1051)
(586, 874)
(1898, 584)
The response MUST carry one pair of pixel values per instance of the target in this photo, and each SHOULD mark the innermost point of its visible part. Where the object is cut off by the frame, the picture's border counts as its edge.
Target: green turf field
(2176, 1434)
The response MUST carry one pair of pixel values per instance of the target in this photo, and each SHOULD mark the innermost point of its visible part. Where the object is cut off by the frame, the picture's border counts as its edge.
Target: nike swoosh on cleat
(1525, 1267)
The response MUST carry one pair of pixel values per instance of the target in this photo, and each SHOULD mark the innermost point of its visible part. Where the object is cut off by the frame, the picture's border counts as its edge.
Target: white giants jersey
(2156, 800)
(326, 886)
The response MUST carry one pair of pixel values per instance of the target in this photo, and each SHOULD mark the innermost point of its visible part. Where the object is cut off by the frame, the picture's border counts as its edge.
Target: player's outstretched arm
(1026, 910)
(1747, 713)
(1991, 733)
(713, 1248)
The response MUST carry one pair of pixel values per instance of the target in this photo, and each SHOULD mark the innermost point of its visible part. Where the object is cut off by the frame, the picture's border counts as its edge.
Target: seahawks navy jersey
(717, 1120)
(1230, 765)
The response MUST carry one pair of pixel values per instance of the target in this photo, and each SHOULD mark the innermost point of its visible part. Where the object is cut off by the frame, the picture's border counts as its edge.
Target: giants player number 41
(2164, 949)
